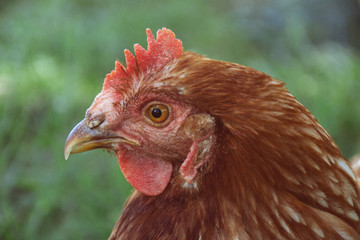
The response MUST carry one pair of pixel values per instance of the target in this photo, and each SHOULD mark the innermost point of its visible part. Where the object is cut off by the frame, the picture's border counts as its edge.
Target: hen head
(223, 147)
(151, 130)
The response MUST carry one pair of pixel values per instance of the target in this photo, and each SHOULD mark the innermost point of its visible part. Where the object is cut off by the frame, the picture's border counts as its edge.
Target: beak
(83, 138)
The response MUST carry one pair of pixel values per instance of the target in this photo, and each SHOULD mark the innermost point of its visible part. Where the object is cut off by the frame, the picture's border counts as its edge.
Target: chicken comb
(160, 51)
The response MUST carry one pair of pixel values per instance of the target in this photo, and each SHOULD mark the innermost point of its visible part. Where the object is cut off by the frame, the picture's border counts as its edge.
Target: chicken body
(235, 157)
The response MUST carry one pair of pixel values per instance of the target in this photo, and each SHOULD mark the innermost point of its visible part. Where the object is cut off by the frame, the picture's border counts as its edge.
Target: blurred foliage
(54, 55)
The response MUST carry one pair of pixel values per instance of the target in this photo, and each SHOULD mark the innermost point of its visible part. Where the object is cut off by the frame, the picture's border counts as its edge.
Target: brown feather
(274, 172)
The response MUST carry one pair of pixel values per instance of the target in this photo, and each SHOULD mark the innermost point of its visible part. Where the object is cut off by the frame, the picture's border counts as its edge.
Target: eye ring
(157, 113)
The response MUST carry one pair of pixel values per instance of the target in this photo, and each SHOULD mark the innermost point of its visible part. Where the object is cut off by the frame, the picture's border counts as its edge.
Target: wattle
(147, 175)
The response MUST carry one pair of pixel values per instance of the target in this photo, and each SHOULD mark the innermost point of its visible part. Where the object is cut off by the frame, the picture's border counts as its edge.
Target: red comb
(160, 52)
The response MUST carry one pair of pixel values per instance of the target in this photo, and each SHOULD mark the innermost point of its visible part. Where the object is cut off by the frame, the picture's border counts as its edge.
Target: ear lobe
(200, 128)
(194, 160)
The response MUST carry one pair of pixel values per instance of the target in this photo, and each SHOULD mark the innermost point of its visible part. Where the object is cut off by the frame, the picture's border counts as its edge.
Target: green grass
(54, 56)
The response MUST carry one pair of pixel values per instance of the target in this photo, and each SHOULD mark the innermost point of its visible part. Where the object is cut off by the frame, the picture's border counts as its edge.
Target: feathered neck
(275, 174)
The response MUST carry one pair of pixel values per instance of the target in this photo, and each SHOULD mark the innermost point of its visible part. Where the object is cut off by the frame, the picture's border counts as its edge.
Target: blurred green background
(54, 55)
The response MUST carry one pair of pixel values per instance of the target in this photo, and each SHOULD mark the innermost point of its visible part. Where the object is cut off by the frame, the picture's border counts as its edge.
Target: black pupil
(156, 113)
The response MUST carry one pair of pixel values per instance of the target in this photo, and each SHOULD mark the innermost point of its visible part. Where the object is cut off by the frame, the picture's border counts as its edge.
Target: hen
(216, 150)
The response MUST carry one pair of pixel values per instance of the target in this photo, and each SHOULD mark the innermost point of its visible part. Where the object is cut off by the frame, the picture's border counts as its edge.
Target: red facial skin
(161, 148)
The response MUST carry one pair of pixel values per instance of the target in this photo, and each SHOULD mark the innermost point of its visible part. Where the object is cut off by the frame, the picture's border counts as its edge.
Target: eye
(157, 113)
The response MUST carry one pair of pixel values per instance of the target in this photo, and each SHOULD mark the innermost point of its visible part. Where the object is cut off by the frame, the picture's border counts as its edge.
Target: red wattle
(149, 176)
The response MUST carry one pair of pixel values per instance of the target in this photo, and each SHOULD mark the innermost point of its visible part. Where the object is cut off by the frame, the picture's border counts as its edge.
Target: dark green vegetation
(54, 56)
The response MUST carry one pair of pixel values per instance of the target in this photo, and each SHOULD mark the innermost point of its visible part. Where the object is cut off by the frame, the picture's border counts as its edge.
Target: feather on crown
(160, 51)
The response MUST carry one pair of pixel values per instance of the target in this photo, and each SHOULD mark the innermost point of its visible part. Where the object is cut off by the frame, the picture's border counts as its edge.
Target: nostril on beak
(95, 123)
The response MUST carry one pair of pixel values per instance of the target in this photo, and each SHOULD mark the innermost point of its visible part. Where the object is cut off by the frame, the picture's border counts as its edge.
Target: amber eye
(158, 113)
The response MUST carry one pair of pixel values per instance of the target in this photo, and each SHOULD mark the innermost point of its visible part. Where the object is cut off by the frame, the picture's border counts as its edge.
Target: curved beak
(83, 138)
